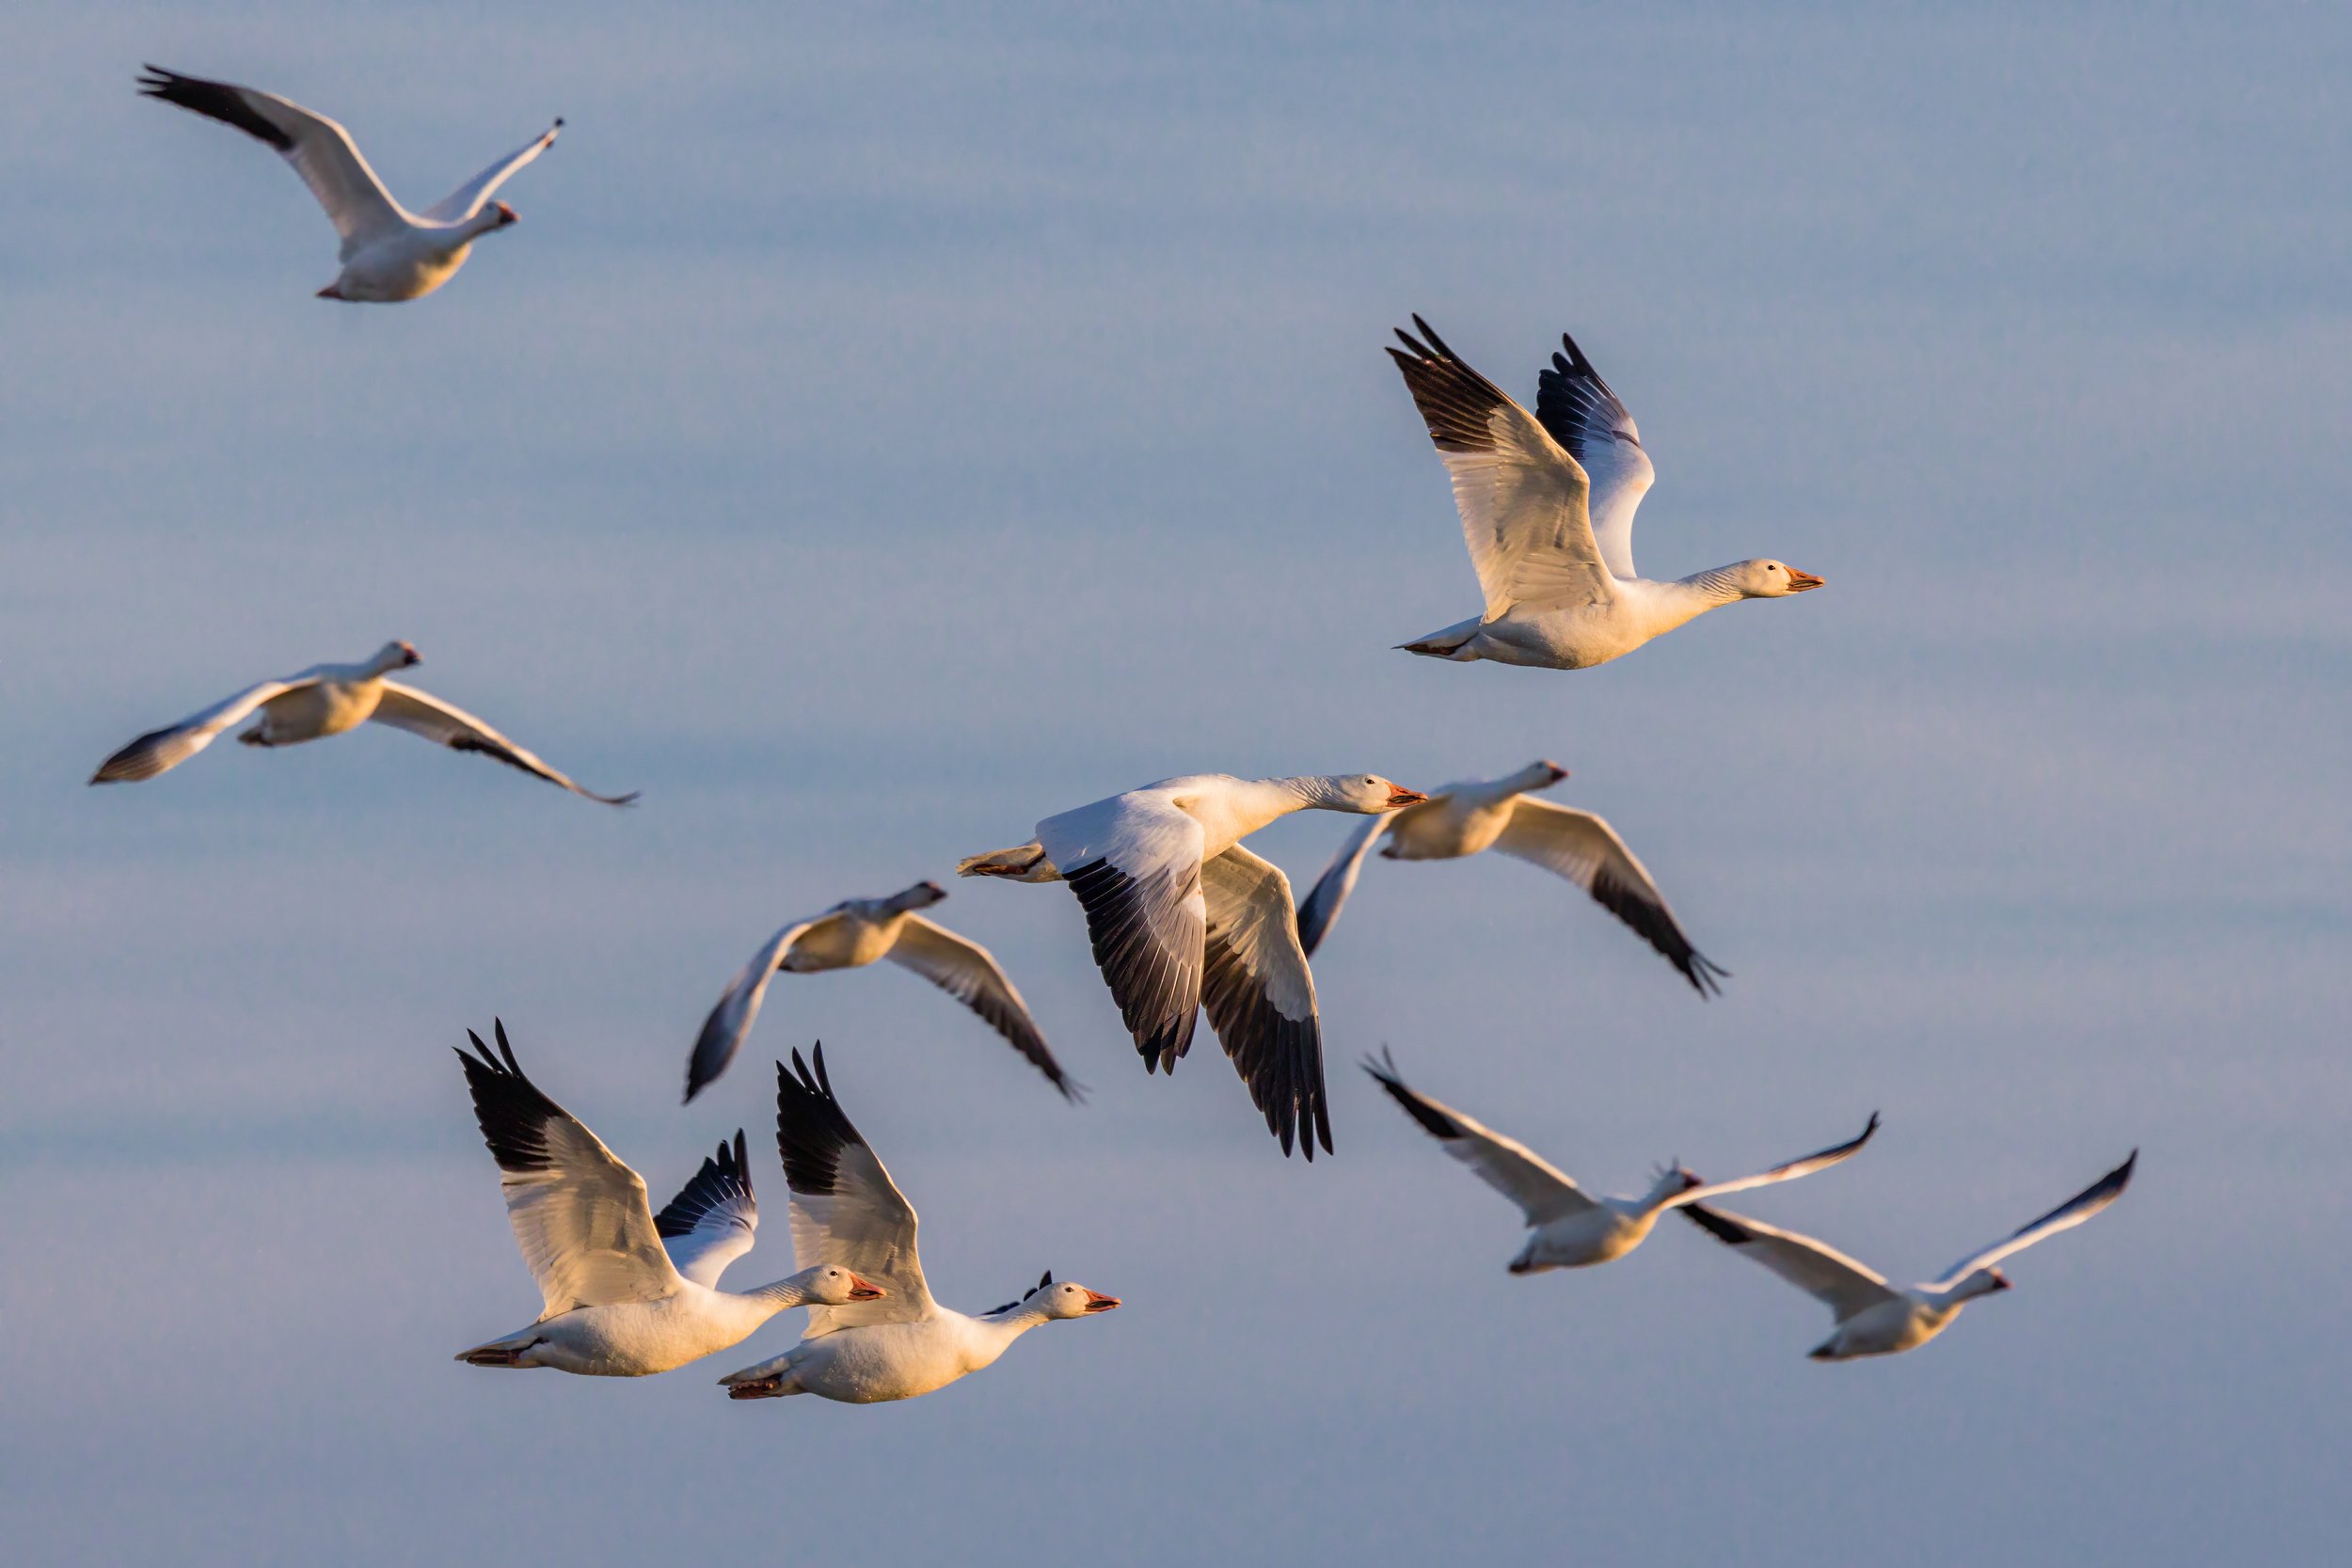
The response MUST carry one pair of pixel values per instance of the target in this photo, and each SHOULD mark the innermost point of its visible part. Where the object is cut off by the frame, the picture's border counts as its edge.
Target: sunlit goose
(627, 1293)
(324, 699)
(1547, 502)
(848, 1212)
(853, 933)
(1183, 918)
(388, 254)
(1481, 814)
(1877, 1319)
(1572, 1229)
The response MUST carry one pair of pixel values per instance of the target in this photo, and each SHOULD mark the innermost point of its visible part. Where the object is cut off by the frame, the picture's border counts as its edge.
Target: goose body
(1547, 502)
(1183, 918)
(627, 1293)
(388, 254)
(848, 1212)
(860, 931)
(1569, 1227)
(327, 699)
(1474, 816)
(1874, 1317)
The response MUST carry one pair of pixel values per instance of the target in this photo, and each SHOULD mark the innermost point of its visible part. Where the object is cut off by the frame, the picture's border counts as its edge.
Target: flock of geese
(1181, 917)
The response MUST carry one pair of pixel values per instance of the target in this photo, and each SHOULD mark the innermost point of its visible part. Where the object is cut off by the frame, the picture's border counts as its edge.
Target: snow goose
(324, 699)
(388, 253)
(1875, 1317)
(848, 1212)
(1547, 502)
(856, 932)
(627, 1293)
(1183, 918)
(1480, 814)
(1572, 1229)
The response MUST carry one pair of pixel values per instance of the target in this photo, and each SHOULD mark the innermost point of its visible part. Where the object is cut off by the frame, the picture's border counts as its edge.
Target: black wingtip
(1728, 1231)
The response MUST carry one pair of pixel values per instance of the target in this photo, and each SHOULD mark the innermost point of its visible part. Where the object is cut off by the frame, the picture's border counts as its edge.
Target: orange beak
(1098, 1301)
(863, 1288)
(1800, 582)
(1399, 796)
(331, 292)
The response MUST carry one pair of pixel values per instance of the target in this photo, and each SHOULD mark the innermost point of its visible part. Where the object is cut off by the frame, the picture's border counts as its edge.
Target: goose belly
(1887, 1329)
(1447, 834)
(313, 712)
(845, 943)
(398, 269)
(1581, 1241)
(1559, 637)
(636, 1338)
(889, 1361)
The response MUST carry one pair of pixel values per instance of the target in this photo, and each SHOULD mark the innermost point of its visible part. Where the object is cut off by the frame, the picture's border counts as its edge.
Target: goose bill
(1097, 1302)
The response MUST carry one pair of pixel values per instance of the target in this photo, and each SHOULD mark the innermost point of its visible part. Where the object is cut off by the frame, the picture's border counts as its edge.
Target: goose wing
(579, 1215)
(405, 707)
(845, 1208)
(731, 1018)
(1261, 997)
(714, 1217)
(159, 750)
(2064, 1217)
(1587, 851)
(1522, 499)
(320, 151)
(466, 200)
(1322, 908)
(1543, 1192)
(970, 973)
(1135, 863)
(1836, 1280)
(1820, 1159)
(1579, 411)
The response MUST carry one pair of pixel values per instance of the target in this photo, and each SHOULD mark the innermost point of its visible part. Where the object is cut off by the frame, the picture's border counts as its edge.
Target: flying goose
(627, 1292)
(1183, 918)
(1464, 818)
(1877, 1319)
(848, 1212)
(388, 253)
(1570, 1228)
(324, 699)
(851, 934)
(1547, 502)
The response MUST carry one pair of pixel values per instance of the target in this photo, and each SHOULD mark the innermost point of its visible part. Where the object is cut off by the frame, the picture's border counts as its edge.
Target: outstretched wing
(1587, 851)
(405, 707)
(1522, 499)
(159, 750)
(320, 151)
(1790, 1172)
(1135, 863)
(466, 200)
(2064, 1217)
(1577, 408)
(1839, 1283)
(579, 1215)
(970, 973)
(714, 1217)
(731, 1018)
(1324, 901)
(1260, 997)
(1543, 1192)
(845, 1208)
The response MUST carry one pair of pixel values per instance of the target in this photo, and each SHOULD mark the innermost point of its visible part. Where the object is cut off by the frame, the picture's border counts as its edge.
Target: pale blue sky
(887, 427)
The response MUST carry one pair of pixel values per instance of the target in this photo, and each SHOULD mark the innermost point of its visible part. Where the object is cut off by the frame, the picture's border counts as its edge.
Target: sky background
(888, 426)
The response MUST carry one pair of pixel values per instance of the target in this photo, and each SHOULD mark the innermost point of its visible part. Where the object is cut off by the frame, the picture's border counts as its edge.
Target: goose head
(507, 217)
(830, 1285)
(1070, 1299)
(1672, 1180)
(395, 656)
(1984, 1282)
(1366, 794)
(922, 896)
(1540, 774)
(1770, 579)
